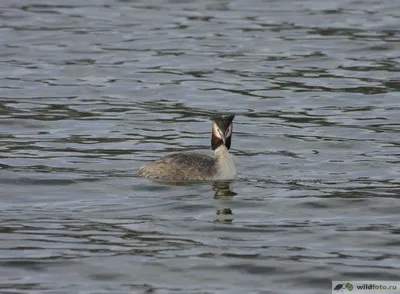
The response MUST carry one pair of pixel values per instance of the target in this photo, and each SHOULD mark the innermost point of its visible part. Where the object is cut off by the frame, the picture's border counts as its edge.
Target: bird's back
(181, 166)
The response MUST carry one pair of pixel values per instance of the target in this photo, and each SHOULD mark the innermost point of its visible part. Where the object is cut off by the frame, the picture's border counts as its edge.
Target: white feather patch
(216, 131)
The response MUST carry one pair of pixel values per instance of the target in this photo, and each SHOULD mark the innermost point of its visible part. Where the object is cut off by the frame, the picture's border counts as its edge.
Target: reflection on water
(91, 92)
(223, 190)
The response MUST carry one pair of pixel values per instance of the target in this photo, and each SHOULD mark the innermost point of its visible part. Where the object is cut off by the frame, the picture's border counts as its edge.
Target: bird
(197, 166)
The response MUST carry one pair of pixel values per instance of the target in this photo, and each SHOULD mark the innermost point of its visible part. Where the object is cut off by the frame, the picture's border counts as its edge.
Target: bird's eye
(228, 131)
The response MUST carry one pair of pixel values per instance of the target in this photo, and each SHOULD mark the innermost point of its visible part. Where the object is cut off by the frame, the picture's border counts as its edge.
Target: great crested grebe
(197, 166)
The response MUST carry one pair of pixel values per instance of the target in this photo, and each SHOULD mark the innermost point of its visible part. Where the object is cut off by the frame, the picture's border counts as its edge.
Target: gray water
(92, 90)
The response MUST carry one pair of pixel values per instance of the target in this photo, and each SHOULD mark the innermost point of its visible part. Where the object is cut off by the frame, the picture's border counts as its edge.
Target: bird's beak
(223, 139)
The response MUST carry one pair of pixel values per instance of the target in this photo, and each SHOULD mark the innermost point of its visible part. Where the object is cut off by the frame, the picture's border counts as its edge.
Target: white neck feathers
(226, 169)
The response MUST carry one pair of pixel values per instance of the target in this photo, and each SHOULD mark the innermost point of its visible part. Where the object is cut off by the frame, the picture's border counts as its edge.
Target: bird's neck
(226, 169)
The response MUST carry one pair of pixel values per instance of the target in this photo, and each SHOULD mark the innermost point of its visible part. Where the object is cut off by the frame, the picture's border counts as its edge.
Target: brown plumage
(180, 166)
(197, 166)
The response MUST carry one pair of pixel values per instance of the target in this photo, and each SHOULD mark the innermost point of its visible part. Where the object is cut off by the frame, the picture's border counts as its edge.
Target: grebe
(197, 166)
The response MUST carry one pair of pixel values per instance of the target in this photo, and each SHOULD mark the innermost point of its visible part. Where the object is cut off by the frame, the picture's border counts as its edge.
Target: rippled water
(90, 91)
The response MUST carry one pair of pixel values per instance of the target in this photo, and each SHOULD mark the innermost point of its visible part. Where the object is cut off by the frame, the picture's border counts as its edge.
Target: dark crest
(223, 122)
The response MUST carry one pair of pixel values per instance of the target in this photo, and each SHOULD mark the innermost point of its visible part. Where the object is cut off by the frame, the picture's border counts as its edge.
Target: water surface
(89, 92)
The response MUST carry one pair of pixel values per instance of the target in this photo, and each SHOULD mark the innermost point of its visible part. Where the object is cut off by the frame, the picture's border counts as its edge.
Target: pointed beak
(223, 139)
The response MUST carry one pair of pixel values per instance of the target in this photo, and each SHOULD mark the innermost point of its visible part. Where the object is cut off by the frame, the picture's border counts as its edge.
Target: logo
(341, 287)
(365, 287)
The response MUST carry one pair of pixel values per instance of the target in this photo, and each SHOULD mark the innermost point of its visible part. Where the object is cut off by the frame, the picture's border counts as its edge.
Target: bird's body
(198, 166)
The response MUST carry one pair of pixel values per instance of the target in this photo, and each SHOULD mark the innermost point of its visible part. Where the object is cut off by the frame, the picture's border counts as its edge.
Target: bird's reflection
(222, 191)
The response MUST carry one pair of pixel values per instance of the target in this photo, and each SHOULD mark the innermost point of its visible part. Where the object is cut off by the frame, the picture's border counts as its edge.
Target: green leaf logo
(348, 286)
